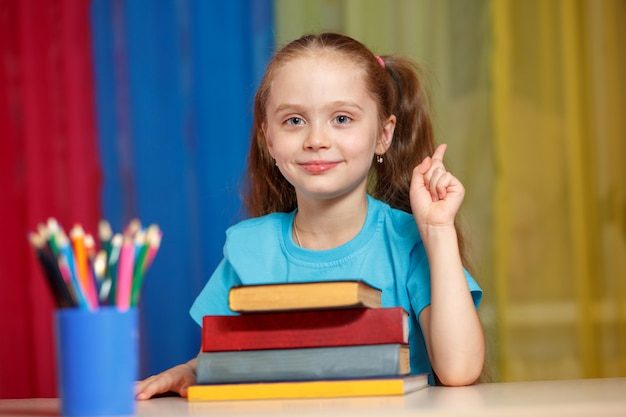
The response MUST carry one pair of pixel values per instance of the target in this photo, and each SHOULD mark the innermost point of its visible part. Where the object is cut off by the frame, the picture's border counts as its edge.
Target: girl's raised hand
(436, 195)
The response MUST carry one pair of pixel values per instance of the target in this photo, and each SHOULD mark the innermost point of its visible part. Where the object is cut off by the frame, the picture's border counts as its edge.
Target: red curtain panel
(49, 167)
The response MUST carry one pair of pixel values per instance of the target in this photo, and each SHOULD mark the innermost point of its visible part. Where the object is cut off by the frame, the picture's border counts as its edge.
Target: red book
(304, 329)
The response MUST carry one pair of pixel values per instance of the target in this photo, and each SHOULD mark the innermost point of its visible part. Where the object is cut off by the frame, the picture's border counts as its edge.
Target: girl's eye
(294, 121)
(342, 120)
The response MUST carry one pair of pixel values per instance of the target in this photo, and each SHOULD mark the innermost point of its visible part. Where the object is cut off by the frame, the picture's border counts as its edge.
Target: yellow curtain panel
(530, 96)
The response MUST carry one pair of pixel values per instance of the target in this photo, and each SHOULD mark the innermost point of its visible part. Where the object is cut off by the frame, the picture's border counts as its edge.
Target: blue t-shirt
(387, 253)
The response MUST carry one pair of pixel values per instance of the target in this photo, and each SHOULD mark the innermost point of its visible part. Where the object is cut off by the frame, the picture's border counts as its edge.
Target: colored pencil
(66, 256)
(148, 249)
(116, 245)
(62, 296)
(105, 233)
(125, 273)
(80, 274)
(81, 253)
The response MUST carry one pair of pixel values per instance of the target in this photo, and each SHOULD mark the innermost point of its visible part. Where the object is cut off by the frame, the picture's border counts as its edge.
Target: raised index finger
(439, 152)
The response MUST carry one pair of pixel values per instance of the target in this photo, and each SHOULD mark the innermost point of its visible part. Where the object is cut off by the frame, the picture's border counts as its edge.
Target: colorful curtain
(560, 214)
(49, 166)
(119, 110)
(175, 81)
(530, 96)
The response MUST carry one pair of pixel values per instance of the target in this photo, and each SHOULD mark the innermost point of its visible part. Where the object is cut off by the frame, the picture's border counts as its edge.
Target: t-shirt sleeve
(213, 299)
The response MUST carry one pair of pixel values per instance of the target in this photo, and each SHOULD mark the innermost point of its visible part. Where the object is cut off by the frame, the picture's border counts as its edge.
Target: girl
(345, 182)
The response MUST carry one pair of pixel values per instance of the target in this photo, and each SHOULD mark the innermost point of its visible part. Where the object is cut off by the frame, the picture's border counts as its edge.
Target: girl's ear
(386, 135)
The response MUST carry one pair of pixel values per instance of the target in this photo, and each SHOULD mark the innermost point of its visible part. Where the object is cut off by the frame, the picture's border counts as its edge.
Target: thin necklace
(295, 229)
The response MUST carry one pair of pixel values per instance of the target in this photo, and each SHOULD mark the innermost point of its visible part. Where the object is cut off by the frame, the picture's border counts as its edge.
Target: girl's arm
(452, 330)
(176, 379)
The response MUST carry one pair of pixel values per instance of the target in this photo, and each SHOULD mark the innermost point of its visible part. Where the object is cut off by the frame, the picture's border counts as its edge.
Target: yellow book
(308, 389)
(303, 296)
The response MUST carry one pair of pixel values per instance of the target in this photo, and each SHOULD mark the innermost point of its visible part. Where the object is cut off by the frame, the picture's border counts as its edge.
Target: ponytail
(413, 138)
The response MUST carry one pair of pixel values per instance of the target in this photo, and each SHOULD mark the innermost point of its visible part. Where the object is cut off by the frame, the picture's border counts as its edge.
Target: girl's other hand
(436, 195)
(176, 379)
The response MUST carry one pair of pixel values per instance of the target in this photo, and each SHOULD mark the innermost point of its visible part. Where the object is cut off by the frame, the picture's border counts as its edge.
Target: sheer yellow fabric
(530, 95)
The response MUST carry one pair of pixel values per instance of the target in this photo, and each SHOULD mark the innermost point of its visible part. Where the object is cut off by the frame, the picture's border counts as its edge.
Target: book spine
(308, 389)
(302, 364)
(315, 328)
(301, 296)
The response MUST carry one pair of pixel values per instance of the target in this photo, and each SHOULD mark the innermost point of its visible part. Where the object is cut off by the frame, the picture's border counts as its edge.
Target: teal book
(323, 363)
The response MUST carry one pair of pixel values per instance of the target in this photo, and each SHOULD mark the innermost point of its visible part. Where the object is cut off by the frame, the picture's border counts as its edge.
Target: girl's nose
(317, 138)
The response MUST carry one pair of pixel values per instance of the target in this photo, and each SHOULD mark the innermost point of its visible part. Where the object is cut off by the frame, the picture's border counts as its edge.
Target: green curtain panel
(529, 95)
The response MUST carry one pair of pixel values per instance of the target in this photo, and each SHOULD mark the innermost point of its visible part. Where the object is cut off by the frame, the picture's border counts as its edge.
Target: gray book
(359, 361)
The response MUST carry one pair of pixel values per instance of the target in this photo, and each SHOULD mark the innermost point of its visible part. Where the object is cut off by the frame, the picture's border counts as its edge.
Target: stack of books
(305, 340)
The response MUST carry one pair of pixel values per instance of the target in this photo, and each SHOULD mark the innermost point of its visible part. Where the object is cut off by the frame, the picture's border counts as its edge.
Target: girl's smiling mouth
(318, 167)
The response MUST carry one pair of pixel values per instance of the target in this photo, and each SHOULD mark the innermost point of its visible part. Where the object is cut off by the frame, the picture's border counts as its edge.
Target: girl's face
(322, 126)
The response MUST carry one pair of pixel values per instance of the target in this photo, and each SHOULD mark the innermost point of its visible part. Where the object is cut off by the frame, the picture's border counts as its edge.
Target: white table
(584, 397)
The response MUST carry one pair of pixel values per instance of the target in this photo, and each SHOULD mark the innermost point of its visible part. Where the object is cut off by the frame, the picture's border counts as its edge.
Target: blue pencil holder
(97, 361)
